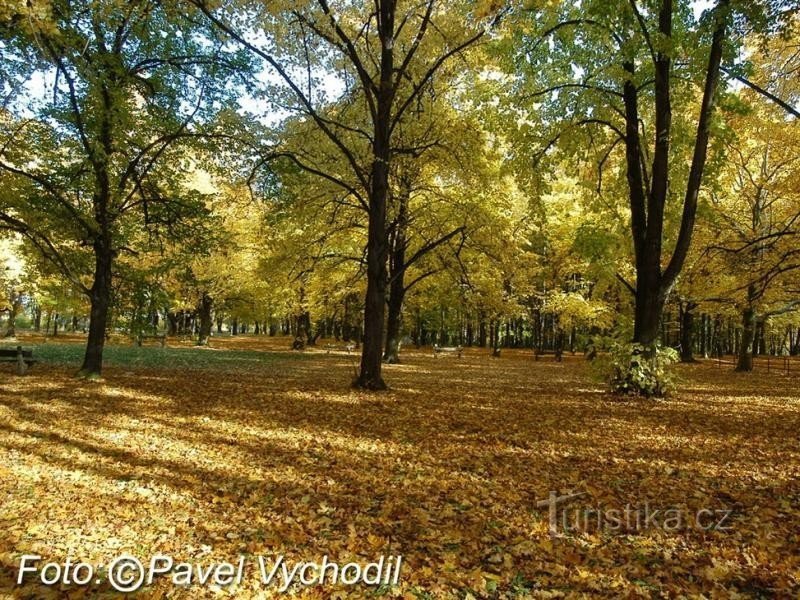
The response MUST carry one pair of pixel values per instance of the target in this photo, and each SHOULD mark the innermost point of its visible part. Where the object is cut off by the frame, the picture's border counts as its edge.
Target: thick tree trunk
(647, 202)
(370, 376)
(100, 298)
(311, 338)
(206, 322)
(172, 324)
(745, 361)
(647, 315)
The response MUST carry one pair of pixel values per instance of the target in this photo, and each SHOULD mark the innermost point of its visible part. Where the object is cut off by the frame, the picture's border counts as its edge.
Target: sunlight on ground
(447, 468)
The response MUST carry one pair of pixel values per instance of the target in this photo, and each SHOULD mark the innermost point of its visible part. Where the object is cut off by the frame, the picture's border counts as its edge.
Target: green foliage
(151, 357)
(633, 370)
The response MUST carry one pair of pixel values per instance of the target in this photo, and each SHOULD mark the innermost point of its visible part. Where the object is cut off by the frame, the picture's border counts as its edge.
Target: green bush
(636, 370)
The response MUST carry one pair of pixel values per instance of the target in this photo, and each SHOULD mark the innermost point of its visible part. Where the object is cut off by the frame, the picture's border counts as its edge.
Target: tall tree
(385, 54)
(133, 79)
(619, 70)
(757, 219)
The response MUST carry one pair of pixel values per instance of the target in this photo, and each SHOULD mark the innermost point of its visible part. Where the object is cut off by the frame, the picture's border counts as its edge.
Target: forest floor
(249, 449)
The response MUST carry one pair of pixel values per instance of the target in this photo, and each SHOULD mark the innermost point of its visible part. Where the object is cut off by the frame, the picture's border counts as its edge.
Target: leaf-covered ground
(247, 448)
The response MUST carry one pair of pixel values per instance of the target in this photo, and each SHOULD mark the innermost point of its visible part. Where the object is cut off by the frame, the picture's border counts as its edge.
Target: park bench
(347, 347)
(556, 354)
(457, 350)
(160, 337)
(23, 358)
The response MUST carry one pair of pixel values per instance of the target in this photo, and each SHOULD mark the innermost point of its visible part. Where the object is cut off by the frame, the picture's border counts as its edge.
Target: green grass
(156, 357)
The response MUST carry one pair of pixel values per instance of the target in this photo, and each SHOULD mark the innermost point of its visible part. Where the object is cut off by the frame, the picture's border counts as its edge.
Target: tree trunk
(687, 332)
(311, 338)
(206, 322)
(745, 362)
(647, 202)
(16, 305)
(397, 271)
(481, 330)
(172, 324)
(394, 321)
(369, 376)
(100, 298)
(649, 306)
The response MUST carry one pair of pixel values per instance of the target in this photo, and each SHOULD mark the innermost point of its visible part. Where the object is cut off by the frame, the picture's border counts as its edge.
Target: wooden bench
(557, 354)
(457, 350)
(23, 358)
(347, 347)
(162, 338)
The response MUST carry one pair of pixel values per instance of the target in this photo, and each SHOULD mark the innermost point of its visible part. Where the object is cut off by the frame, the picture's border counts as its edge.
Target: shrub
(636, 370)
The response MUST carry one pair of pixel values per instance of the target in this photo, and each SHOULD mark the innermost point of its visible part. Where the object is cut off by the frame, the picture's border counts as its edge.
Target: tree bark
(206, 322)
(100, 298)
(647, 205)
(394, 321)
(13, 311)
(397, 270)
(481, 329)
(370, 376)
(172, 324)
(687, 332)
(745, 361)
(649, 307)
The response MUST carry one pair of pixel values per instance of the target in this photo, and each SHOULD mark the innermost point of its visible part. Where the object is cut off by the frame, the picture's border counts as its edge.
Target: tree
(11, 285)
(617, 69)
(642, 69)
(133, 81)
(386, 54)
(433, 192)
(758, 219)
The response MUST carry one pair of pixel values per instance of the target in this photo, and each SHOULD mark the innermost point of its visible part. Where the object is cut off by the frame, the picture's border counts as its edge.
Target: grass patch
(149, 357)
